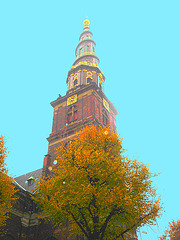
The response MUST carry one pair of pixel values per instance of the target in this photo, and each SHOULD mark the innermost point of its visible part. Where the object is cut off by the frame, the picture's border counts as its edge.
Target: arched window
(69, 115)
(80, 51)
(100, 85)
(72, 114)
(88, 48)
(89, 78)
(105, 117)
(75, 82)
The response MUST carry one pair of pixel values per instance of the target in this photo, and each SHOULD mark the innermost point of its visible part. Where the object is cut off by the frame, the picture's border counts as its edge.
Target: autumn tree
(6, 187)
(172, 232)
(103, 194)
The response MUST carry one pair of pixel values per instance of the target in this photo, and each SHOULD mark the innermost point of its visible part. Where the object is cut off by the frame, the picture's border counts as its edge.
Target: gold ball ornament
(86, 22)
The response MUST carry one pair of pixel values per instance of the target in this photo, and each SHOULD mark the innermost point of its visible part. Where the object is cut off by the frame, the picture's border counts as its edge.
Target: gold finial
(86, 21)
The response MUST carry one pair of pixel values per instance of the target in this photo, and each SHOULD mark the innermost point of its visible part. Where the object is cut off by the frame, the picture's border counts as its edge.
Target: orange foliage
(6, 188)
(103, 194)
(173, 233)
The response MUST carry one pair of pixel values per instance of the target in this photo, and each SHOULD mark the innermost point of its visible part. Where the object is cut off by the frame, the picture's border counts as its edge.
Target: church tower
(84, 102)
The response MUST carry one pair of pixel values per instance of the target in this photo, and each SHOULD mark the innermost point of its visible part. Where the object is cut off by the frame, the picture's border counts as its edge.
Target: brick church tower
(84, 102)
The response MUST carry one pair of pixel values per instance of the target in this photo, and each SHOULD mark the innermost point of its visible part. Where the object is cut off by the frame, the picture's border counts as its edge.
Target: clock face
(72, 100)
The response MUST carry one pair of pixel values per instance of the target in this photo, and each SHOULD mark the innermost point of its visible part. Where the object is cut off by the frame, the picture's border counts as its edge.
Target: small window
(69, 117)
(88, 48)
(105, 117)
(100, 85)
(89, 77)
(80, 51)
(89, 80)
(30, 181)
(72, 114)
(75, 83)
(75, 115)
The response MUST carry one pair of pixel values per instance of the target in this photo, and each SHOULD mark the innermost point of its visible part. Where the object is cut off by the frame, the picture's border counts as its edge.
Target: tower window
(75, 82)
(80, 51)
(100, 85)
(88, 48)
(69, 117)
(105, 117)
(75, 115)
(89, 78)
(72, 114)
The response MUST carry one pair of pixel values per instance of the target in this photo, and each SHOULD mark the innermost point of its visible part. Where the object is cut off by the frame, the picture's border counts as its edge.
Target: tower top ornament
(86, 22)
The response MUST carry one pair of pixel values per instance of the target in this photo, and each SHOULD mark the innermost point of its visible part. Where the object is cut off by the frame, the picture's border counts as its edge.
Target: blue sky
(138, 43)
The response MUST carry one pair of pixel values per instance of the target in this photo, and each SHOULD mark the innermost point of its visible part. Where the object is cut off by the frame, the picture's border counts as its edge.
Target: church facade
(84, 103)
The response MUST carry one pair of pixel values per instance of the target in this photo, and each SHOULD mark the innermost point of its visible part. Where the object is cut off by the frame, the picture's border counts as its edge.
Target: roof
(28, 181)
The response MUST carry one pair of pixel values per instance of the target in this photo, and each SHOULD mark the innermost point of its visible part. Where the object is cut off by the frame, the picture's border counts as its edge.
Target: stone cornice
(81, 67)
(85, 56)
(79, 90)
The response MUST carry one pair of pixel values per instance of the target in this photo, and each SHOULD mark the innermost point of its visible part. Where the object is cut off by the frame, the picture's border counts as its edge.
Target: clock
(71, 100)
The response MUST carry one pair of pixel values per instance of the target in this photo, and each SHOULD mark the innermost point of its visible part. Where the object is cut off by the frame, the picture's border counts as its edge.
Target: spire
(86, 46)
(85, 69)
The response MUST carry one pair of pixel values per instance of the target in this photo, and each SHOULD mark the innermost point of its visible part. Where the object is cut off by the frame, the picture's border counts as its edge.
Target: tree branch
(89, 209)
(78, 223)
(133, 226)
(86, 223)
(112, 213)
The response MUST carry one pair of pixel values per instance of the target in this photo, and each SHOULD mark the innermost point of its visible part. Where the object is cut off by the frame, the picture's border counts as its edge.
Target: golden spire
(86, 22)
